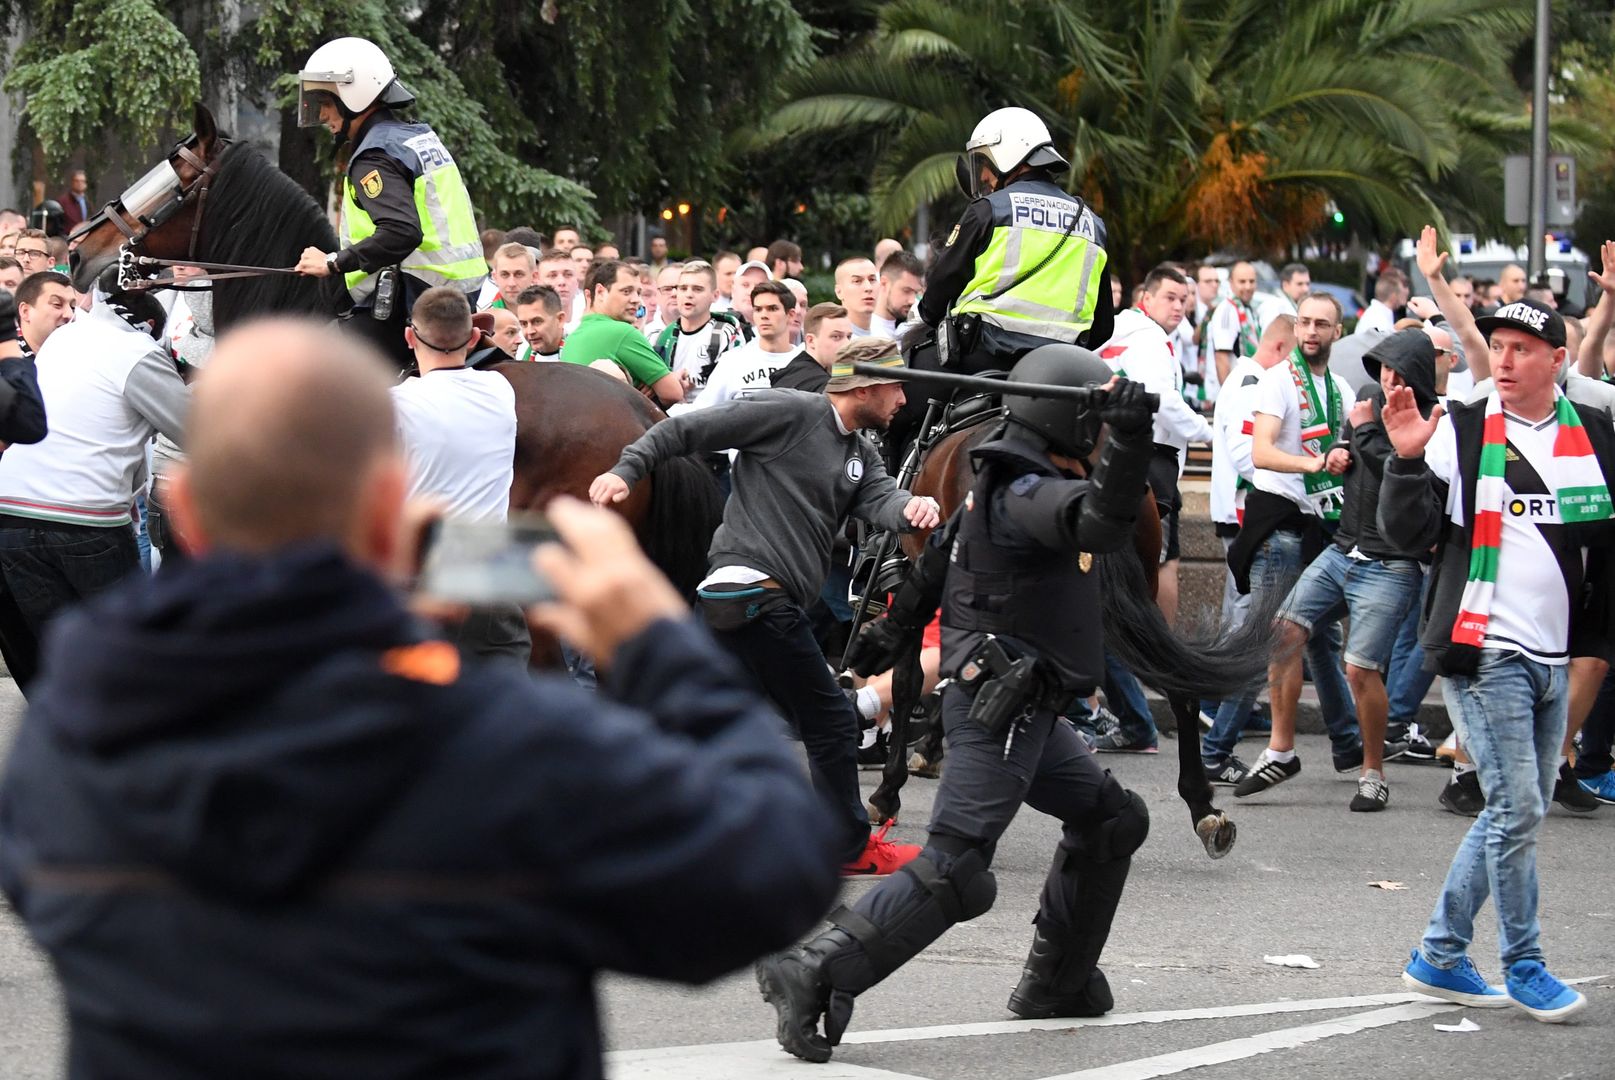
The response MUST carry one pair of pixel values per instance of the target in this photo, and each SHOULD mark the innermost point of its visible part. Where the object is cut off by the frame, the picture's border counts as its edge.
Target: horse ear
(206, 129)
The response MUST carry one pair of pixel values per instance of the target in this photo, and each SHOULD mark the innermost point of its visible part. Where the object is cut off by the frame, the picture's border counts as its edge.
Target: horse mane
(256, 215)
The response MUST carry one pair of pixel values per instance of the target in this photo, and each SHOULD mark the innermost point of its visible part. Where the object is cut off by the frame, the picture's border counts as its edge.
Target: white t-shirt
(1531, 604)
(1277, 395)
(1231, 441)
(1376, 319)
(739, 372)
(1225, 324)
(458, 429)
(1274, 306)
(692, 352)
(1142, 349)
(526, 353)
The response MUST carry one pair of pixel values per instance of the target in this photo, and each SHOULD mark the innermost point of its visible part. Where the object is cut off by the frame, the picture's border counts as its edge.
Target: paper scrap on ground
(1388, 886)
(1466, 1024)
(1295, 960)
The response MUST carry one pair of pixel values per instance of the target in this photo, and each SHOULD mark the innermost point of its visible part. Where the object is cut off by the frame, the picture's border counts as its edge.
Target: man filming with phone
(262, 821)
(457, 427)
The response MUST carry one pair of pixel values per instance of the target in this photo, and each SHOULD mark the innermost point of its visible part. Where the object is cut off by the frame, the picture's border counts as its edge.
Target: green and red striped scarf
(1581, 492)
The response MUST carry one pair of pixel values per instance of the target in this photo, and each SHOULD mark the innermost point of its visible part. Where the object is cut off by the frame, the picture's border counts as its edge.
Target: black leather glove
(8, 316)
(1193, 378)
(1127, 409)
(878, 647)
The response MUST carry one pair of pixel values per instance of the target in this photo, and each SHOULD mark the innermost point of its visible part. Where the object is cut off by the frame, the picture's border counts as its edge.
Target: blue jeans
(1511, 718)
(1275, 569)
(1407, 682)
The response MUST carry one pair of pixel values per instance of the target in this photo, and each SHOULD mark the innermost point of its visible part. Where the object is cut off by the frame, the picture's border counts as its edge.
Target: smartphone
(486, 563)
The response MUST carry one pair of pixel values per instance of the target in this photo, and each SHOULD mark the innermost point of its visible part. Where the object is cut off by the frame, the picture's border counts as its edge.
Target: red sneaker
(881, 856)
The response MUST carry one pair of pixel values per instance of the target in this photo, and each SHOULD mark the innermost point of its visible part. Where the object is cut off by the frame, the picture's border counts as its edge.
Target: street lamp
(1538, 227)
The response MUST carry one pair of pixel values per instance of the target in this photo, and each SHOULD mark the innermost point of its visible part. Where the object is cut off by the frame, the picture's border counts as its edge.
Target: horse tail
(686, 508)
(1204, 664)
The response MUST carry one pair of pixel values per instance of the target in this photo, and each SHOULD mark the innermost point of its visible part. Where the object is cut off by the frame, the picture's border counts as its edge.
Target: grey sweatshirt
(796, 478)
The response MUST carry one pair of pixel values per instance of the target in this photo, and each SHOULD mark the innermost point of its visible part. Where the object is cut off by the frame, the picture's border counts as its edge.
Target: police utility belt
(1005, 685)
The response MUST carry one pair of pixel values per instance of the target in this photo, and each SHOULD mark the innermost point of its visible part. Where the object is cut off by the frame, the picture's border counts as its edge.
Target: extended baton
(1083, 394)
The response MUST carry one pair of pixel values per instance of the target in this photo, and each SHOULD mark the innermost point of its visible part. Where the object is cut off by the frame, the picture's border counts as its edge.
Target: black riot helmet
(1068, 427)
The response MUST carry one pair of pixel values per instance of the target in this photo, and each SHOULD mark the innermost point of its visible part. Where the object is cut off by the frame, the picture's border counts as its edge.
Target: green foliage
(101, 66)
(1195, 123)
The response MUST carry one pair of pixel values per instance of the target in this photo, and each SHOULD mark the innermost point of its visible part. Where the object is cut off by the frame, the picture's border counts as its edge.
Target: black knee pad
(1123, 828)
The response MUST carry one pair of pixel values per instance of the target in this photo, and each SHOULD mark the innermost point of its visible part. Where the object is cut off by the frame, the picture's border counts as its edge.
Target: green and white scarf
(1320, 427)
(1581, 492)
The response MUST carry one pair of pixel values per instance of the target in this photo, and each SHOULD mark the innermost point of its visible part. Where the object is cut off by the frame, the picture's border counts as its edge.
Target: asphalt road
(1193, 995)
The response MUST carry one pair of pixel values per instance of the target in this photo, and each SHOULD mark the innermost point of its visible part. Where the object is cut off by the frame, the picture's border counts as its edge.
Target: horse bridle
(132, 266)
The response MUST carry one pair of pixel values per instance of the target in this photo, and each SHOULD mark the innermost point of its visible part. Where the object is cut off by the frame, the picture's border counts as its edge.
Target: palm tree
(1195, 124)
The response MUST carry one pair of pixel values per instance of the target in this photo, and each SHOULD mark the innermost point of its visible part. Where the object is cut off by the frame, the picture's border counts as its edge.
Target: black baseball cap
(1538, 320)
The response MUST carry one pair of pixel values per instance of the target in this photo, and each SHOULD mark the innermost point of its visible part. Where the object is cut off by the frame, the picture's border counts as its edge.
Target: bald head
(290, 426)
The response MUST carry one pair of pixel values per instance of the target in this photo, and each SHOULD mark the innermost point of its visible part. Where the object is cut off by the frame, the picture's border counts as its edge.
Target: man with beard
(1298, 419)
(902, 278)
(800, 470)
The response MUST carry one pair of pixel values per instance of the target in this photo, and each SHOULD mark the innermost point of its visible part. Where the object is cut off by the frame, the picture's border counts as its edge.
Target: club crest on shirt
(371, 182)
(855, 469)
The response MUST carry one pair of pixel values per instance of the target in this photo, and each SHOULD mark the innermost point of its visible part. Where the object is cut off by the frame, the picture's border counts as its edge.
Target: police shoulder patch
(952, 236)
(1023, 484)
(371, 182)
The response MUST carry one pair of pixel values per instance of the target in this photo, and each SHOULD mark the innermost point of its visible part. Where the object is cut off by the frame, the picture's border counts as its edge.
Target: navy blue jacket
(263, 831)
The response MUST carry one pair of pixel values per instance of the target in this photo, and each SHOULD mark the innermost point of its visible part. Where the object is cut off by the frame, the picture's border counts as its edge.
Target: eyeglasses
(32, 253)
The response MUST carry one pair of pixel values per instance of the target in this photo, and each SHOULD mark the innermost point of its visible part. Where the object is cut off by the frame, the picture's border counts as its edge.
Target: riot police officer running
(407, 222)
(1020, 638)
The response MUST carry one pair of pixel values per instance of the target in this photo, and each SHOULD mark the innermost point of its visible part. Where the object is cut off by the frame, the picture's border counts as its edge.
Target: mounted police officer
(1021, 638)
(1026, 264)
(407, 222)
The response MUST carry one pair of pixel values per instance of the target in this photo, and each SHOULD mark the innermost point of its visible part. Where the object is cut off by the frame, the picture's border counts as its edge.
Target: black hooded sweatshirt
(264, 829)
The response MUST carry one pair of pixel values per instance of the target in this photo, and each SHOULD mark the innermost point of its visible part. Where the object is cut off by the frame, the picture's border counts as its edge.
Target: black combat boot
(795, 984)
(1050, 986)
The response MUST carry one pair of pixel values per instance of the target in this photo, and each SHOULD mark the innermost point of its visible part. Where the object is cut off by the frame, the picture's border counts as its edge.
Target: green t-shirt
(600, 337)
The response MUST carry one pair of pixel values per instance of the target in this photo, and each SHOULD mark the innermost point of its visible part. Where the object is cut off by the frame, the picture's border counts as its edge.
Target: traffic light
(1339, 219)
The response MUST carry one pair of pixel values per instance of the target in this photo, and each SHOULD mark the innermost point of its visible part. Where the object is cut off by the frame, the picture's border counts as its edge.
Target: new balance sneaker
(1112, 741)
(1601, 787)
(1461, 983)
(1569, 793)
(1533, 988)
(1372, 794)
(1266, 773)
(881, 856)
(1463, 796)
(1229, 773)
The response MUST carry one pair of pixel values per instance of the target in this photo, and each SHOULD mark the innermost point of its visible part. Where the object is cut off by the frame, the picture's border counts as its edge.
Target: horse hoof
(880, 815)
(923, 767)
(1217, 832)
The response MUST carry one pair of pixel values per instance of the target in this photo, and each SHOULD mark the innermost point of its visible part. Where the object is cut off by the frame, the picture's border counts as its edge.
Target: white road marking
(1237, 1049)
(743, 1059)
(777, 1065)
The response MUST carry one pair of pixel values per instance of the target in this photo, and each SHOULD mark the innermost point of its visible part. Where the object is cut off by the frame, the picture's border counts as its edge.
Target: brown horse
(217, 202)
(1182, 670)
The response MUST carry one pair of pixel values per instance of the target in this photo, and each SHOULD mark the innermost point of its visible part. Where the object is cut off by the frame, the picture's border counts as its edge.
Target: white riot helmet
(352, 71)
(1004, 139)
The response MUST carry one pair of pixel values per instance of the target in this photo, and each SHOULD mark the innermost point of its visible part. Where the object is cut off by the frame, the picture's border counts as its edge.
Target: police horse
(1183, 669)
(222, 206)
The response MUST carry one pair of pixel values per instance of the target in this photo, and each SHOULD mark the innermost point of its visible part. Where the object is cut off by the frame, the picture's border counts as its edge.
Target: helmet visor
(967, 171)
(309, 103)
